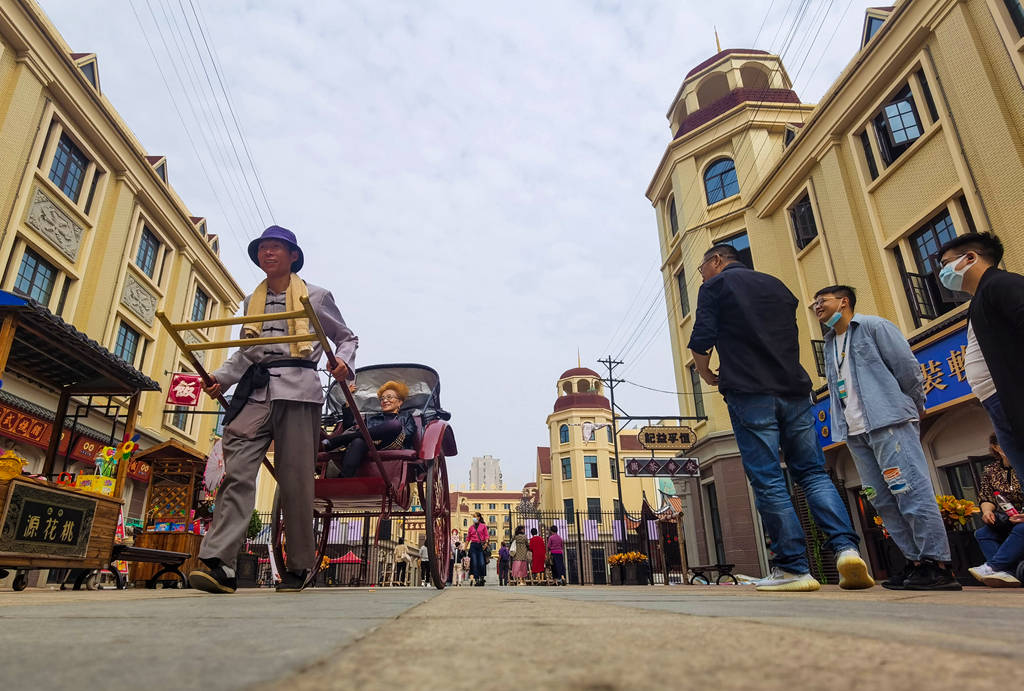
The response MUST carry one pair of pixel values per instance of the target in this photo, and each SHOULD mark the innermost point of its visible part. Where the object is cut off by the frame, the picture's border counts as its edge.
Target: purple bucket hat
(277, 233)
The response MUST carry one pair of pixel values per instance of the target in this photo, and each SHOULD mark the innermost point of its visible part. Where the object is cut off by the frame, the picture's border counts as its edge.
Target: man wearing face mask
(995, 332)
(877, 396)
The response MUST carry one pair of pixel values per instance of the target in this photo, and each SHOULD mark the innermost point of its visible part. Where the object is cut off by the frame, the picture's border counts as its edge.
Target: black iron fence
(591, 538)
(355, 554)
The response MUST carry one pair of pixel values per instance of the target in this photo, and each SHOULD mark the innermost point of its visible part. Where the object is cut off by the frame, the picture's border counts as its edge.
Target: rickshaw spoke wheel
(437, 510)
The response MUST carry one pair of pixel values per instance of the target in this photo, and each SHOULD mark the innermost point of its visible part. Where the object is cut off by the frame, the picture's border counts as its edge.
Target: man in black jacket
(995, 332)
(750, 318)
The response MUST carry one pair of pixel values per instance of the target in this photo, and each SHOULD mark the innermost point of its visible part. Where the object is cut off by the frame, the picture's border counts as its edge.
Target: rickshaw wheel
(437, 511)
(20, 581)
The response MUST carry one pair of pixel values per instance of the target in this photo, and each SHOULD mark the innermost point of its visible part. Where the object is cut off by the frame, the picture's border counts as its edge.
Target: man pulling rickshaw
(278, 399)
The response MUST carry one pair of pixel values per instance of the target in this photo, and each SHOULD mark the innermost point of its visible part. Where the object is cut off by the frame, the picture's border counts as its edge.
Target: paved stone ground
(498, 638)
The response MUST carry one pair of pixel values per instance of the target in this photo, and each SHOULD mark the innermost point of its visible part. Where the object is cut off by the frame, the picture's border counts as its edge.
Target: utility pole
(611, 382)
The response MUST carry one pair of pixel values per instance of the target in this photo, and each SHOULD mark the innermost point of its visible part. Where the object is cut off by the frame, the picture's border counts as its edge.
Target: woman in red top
(537, 548)
(478, 537)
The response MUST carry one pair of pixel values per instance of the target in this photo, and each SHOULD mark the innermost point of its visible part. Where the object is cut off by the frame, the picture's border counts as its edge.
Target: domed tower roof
(579, 372)
(580, 387)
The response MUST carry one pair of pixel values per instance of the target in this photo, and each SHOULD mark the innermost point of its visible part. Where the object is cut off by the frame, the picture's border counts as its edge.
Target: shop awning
(48, 350)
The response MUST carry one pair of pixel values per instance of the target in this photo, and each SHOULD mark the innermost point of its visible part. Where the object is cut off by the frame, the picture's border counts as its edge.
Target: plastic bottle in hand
(1006, 506)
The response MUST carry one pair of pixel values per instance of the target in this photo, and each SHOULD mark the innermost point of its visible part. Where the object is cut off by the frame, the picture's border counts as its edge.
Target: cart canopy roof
(423, 382)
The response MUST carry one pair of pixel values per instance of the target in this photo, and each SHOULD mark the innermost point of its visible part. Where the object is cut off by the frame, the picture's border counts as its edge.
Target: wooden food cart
(174, 492)
(45, 525)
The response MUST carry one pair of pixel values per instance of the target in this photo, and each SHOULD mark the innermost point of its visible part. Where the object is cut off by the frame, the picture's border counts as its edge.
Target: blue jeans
(477, 564)
(894, 477)
(1007, 441)
(1002, 554)
(763, 424)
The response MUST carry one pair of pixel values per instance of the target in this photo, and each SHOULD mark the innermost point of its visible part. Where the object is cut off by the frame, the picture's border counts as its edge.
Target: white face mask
(475, 519)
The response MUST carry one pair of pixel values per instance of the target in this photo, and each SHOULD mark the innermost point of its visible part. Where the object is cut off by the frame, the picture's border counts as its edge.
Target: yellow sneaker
(853, 572)
(783, 581)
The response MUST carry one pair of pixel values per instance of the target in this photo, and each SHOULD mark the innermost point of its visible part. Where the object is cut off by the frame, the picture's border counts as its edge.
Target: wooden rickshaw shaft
(318, 329)
(172, 330)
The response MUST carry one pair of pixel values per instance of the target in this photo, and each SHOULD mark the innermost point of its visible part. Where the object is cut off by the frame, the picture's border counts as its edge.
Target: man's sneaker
(898, 581)
(219, 578)
(853, 572)
(783, 581)
(930, 576)
(291, 582)
(1000, 579)
(981, 572)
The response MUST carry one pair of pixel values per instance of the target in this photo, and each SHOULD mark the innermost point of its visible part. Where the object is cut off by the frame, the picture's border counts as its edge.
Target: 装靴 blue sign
(942, 365)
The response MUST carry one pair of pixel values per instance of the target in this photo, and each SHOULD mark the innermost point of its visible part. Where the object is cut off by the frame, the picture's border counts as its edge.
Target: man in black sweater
(995, 332)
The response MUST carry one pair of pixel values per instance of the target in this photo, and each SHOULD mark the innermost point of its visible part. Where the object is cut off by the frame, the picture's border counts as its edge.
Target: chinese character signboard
(42, 521)
(184, 389)
(942, 369)
(670, 438)
(139, 470)
(662, 467)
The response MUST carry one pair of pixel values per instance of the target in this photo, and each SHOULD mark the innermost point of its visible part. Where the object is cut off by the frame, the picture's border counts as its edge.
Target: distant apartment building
(485, 473)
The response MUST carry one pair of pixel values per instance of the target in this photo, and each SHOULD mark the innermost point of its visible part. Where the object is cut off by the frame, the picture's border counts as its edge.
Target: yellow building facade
(577, 470)
(92, 229)
(917, 141)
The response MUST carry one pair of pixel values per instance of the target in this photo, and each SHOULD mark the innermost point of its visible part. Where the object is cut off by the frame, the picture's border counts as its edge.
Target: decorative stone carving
(138, 299)
(47, 219)
(190, 337)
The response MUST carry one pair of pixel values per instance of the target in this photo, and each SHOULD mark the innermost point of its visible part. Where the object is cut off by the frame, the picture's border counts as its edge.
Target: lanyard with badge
(841, 383)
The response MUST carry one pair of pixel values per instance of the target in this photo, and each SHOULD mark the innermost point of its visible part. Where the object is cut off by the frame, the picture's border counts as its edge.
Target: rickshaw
(384, 482)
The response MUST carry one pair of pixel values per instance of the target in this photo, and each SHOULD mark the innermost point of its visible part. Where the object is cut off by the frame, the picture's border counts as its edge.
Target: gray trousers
(294, 428)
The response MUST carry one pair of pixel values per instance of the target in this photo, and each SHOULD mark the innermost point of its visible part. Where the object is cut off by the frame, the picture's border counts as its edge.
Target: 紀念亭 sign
(670, 438)
(41, 521)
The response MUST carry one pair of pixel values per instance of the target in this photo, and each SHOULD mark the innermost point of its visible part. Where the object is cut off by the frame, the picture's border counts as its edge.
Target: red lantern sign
(184, 389)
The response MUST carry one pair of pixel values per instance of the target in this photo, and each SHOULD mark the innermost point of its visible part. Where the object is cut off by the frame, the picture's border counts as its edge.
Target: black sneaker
(898, 581)
(930, 576)
(216, 580)
(291, 582)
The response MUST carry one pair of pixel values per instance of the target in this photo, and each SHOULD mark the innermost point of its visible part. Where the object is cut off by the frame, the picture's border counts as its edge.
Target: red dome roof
(718, 56)
(579, 372)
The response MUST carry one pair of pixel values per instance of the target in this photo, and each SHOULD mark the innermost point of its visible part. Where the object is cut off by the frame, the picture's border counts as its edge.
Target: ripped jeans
(894, 478)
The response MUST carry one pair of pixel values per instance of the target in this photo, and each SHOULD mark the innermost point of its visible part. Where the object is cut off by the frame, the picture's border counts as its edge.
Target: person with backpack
(520, 556)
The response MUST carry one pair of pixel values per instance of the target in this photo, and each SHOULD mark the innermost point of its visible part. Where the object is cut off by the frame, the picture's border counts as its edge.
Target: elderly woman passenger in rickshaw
(390, 429)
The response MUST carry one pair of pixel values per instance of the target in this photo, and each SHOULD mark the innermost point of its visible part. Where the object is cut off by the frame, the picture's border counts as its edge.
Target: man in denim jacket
(876, 390)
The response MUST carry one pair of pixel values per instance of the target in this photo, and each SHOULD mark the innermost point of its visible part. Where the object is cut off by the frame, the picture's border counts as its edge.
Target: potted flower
(625, 567)
(963, 548)
(247, 564)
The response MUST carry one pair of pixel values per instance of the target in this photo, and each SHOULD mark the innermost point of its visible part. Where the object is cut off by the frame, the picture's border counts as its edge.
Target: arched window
(720, 180)
(563, 434)
(673, 216)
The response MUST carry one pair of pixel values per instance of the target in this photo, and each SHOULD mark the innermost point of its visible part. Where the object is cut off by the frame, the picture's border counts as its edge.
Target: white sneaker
(1001, 579)
(853, 571)
(783, 581)
(981, 572)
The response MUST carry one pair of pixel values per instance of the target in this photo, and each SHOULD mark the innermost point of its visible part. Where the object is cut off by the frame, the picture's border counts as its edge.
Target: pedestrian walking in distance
(520, 556)
(277, 400)
(424, 565)
(556, 547)
(504, 559)
(539, 554)
(995, 332)
(876, 391)
(478, 537)
(750, 319)
(400, 569)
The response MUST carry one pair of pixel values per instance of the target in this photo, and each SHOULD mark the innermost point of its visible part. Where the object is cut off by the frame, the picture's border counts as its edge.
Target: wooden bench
(703, 573)
(169, 561)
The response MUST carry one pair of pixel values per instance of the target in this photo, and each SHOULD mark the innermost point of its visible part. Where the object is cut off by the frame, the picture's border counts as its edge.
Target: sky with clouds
(467, 178)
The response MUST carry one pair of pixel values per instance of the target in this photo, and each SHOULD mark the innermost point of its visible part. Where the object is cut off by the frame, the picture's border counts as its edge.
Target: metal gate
(591, 538)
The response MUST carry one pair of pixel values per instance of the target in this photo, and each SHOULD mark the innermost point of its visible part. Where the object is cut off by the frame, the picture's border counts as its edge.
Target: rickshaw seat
(368, 479)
